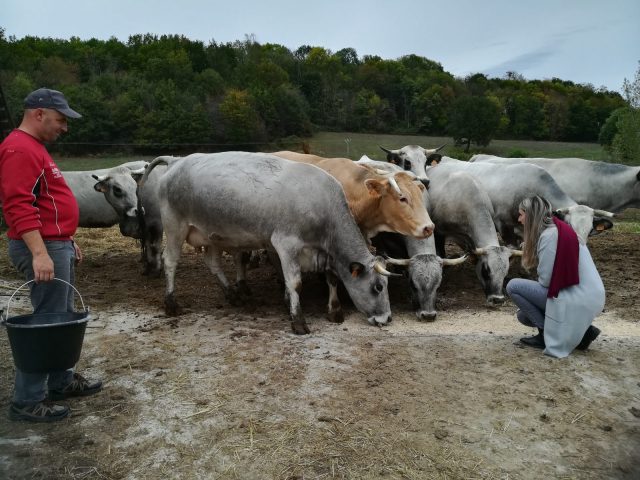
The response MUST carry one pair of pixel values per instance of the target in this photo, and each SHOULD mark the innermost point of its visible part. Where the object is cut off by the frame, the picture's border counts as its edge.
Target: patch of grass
(96, 162)
(354, 145)
(627, 227)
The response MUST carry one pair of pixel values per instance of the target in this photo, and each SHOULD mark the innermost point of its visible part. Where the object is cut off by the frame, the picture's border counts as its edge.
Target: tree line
(163, 93)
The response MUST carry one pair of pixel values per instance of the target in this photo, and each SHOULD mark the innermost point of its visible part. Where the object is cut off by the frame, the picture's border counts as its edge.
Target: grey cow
(109, 201)
(463, 211)
(508, 185)
(424, 265)
(239, 201)
(601, 185)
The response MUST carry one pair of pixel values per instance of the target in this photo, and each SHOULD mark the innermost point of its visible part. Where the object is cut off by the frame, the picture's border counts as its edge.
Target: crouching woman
(569, 292)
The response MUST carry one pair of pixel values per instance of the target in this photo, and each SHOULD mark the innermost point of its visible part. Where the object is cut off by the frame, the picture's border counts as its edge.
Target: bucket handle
(5, 314)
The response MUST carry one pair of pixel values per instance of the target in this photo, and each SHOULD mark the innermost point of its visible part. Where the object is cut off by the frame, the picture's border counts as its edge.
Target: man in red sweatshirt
(42, 215)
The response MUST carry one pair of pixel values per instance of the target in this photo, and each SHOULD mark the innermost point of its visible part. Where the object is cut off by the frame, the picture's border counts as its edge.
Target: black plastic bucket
(46, 342)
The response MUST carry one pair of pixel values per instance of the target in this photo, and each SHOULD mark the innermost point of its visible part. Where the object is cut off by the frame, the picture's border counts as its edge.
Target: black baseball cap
(47, 98)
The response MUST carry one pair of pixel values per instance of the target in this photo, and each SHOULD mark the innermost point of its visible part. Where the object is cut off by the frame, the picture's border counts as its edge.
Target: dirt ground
(230, 392)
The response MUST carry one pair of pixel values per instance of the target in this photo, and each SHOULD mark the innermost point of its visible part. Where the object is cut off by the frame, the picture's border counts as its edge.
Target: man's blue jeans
(531, 299)
(46, 297)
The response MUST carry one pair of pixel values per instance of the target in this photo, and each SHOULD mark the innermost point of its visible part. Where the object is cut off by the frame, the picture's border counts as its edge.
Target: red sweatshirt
(33, 192)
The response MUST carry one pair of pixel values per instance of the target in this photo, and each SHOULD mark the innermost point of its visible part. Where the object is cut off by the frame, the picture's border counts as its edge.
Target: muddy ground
(230, 392)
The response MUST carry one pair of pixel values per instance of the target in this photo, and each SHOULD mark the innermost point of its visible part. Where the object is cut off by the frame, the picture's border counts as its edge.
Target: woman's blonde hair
(538, 216)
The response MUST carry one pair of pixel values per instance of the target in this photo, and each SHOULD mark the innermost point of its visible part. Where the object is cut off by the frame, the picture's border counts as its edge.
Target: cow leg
(152, 250)
(335, 308)
(172, 253)
(293, 287)
(213, 260)
(242, 259)
(287, 249)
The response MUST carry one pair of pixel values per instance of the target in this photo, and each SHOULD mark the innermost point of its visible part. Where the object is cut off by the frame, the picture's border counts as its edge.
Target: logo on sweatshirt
(55, 171)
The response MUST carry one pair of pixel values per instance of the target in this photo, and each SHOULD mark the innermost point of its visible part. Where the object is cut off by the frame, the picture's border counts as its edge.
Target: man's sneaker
(589, 336)
(40, 412)
(79, 387)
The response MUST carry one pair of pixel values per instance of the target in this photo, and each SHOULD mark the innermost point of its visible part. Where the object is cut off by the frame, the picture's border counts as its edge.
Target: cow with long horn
(424, 268)
(465, 215)
(238, 201)
(414, 158)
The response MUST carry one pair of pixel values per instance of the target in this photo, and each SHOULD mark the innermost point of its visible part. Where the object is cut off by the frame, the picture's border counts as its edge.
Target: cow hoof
(300, 328)
(337, 316)
(243, 289)
(171, 307)
(233, 296)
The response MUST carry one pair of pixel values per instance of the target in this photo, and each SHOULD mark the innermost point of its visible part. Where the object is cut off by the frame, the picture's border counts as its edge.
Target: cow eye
(404, 200)
(377, 288)
(407, 165)
(117, 191)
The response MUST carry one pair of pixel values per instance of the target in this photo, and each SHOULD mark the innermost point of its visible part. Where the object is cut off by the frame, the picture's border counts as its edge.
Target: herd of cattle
(350, 220)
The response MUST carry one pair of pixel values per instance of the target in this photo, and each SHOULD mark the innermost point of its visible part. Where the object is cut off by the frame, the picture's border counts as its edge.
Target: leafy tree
(241, 122)
(610, 128)
(473, 119)
(527, 117)
(626, 142)
(250, 92)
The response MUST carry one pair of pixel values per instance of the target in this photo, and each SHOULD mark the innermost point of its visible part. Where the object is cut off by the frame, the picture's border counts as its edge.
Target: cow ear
(375, 187)
(100, 187)
(356, 269)
(559, 214)
(434, 159)
(137, 176)
(393, 158)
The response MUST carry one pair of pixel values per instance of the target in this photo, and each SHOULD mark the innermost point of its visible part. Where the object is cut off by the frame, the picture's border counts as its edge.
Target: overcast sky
(585, 41)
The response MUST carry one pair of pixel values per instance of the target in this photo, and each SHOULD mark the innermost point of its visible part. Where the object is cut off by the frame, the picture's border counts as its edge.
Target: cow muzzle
(379, 320)
(425, 231)
(495, 300)
(426, 316)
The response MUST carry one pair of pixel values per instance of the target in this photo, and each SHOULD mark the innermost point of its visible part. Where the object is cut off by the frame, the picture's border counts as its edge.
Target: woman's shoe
(537, 341)
(589, 336)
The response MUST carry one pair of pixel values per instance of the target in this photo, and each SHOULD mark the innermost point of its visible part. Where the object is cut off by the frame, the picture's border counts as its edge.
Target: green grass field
(354, 145)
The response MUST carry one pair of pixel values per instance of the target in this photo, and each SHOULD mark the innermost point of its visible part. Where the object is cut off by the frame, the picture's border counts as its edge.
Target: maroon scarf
(565, 266)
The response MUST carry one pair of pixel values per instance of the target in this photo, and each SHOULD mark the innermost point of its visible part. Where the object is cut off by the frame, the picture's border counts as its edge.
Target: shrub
(517, 153)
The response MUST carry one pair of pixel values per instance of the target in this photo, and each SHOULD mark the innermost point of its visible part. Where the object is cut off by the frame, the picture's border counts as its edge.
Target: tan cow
(379, 203)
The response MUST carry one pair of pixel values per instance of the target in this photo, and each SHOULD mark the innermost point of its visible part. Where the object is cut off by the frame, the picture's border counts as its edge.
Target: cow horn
(563, 211)
(394, 184)
(480, 251)
(377, 266)
(100, 178)
(386, 149)
(441, 147)
(449, 262)
(515, 253)
(603, 213)
(402, 262)
(139, 171)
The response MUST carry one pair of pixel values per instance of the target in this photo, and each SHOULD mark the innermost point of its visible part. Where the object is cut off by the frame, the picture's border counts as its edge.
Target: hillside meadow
(354, 145)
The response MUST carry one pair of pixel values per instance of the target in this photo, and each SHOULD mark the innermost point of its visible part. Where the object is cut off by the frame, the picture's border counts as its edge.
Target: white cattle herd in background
(349, 220)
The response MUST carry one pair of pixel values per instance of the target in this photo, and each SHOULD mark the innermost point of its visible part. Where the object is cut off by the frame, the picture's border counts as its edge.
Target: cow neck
(345, 242)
